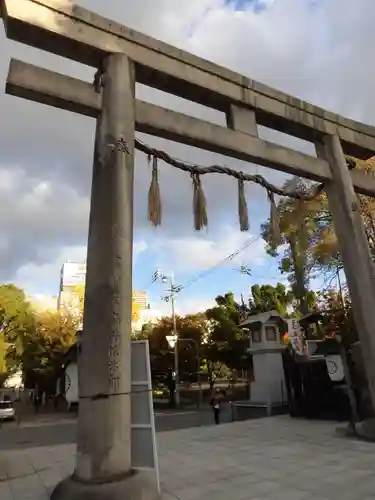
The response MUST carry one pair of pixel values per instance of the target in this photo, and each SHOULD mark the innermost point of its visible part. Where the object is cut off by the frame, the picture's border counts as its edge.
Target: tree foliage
(33, 341)
(267, 298)
(227, 342)
(136, 314)
(15, 314)
(47, 342)
(303, 225)
(16, 318)
(309, 244)
(338, 316)
(191, 330)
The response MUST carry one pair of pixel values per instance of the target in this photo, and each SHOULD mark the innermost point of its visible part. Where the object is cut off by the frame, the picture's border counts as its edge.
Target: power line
(229, 257)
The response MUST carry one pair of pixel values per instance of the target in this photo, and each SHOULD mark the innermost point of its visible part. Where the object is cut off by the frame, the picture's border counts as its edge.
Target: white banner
(295, 335)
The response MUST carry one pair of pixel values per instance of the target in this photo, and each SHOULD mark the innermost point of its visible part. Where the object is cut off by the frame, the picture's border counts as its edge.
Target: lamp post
(158, 275)
(173, 341)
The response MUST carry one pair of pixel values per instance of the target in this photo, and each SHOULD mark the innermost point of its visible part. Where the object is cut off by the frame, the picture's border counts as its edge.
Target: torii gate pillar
(354, 248)
(103, 461)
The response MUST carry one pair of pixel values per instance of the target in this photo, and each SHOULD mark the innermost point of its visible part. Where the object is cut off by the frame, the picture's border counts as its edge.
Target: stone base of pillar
(136, 486)
(365, 429)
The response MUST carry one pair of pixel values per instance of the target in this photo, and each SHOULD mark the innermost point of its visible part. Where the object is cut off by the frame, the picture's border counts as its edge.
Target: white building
(141, 300)
(146, 316)
(71, 276)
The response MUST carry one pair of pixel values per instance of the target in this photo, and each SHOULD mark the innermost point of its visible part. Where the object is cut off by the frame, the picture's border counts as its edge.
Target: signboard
(295, 335)
(143, 439)
(335, 367)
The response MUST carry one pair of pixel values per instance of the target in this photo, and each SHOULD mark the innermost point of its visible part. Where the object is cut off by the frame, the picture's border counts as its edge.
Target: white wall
(71, 374)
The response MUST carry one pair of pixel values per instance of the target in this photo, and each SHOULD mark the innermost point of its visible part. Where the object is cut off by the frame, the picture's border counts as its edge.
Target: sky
(318, 50)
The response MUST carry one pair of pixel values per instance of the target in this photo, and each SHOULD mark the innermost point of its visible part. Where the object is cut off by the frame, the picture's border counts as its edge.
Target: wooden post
(354, 249)
(103, 461)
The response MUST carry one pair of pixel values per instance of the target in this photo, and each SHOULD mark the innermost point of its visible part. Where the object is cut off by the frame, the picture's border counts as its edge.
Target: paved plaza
(269, 459)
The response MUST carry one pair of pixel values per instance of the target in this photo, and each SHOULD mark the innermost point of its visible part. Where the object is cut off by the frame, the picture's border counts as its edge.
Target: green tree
(299, 226)
(16, 318)
(188, 327)
(4, 373)
(338, 316)
(267, 298)
(309, 244)
(192, 326)
(227, 342)
(47, 342)
(325, 247)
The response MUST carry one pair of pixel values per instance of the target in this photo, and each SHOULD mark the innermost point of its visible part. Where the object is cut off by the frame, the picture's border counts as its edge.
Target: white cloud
(186, 305)
(139, 247)
(202, 251)
(38, 279)
(302, 47)
(41, 278)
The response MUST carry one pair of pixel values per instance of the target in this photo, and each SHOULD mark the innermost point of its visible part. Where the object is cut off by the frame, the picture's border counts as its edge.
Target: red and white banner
(295, 335)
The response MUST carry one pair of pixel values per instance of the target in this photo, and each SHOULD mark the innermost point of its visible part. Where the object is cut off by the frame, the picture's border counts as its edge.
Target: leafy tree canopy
(16, 318)
(267, 298)
(47, 343)
(308, 226)
(192, 330)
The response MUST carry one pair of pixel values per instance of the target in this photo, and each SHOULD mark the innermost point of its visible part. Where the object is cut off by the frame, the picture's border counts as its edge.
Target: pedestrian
(215, 405)
(37, 401)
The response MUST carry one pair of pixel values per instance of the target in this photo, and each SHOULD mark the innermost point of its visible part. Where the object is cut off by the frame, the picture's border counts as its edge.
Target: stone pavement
(269, 459)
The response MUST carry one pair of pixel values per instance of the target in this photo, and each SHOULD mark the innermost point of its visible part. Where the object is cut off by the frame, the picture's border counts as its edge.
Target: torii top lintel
(61, 27)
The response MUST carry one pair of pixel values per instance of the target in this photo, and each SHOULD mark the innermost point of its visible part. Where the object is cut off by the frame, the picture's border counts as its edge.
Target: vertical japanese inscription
(114, 361)
(108, 149)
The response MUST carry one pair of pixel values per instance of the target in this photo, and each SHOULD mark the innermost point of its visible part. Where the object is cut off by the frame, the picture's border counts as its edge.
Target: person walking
(37, 402)
(215, 405)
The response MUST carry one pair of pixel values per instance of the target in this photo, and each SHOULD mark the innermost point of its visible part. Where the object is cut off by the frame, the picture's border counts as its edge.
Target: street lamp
(158, 275)
(173, 341)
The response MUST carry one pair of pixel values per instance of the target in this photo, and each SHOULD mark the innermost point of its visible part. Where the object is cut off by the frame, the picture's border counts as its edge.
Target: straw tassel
(243, 213)
(199, 203)
(154, 199)
(274, 220)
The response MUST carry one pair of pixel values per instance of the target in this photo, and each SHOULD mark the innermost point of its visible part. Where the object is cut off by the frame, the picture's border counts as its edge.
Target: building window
(271, 334)
(256, 336)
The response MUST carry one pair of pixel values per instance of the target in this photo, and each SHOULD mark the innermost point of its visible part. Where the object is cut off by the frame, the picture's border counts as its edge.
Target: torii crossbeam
(103, 465)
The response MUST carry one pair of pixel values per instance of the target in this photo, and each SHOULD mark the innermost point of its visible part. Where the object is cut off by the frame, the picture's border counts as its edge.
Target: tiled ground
(268, 459)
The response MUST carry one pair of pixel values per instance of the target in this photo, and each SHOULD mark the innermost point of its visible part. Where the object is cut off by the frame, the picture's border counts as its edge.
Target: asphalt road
(39, 433)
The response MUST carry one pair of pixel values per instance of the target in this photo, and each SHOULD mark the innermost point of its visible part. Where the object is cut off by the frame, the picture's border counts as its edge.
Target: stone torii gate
(123, 56)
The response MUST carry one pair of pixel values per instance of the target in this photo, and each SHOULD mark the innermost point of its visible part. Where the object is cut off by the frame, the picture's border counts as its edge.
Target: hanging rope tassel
(154, 199)
(199, 203)
(274, 220)
(243, 213)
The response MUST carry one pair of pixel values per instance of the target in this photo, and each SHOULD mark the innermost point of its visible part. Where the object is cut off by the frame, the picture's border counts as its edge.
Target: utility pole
(158, 275)
(176, 360)
(173, 340)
